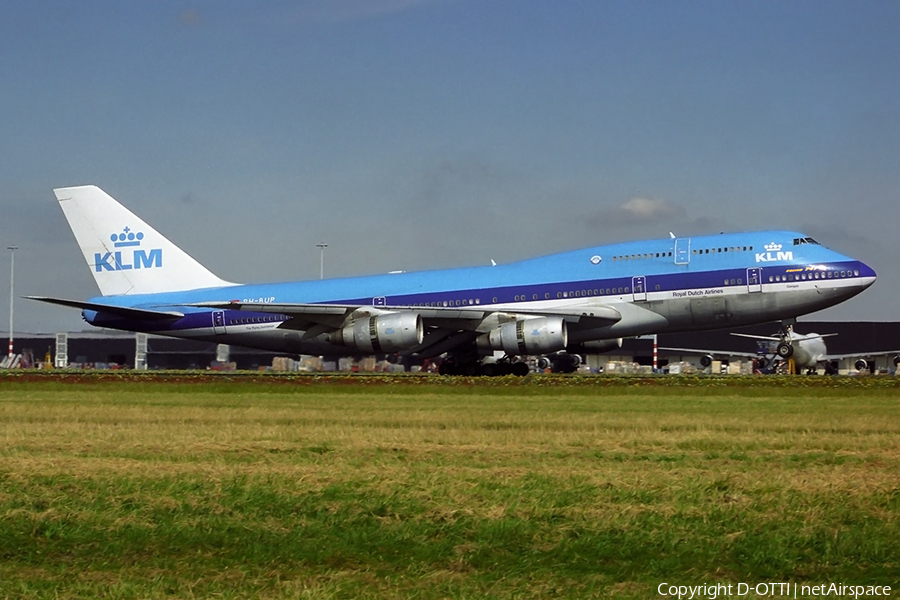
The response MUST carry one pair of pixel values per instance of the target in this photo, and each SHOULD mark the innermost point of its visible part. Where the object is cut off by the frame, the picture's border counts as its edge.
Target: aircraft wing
(829, 357)
(469, 317)
(713, 352)
(771, 338)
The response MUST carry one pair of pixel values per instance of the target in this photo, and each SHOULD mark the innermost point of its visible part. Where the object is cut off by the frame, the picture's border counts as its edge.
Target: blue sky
(416, 134)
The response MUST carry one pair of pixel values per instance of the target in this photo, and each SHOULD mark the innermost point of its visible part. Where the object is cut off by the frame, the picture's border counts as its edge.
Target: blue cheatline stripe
(201, 318)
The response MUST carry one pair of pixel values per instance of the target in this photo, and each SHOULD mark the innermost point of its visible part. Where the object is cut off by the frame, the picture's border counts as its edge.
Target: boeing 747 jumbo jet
(581, 302)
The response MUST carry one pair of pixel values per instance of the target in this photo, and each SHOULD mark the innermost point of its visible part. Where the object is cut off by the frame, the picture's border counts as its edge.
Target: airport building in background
(109, 349)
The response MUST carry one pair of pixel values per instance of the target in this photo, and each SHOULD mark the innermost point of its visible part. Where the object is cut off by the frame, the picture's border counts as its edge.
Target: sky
(422, 134)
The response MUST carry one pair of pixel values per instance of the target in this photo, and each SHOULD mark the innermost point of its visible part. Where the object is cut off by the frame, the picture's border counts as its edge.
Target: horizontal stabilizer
(121, 311)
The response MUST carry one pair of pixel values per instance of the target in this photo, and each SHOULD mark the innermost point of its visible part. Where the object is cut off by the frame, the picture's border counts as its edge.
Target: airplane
(571, 303)
(805, 351)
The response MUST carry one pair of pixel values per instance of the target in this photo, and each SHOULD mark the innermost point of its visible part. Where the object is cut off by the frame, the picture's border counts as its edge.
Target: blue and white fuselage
(574, 301)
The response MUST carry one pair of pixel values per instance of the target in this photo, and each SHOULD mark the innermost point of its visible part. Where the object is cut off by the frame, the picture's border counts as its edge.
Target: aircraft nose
(867, 274)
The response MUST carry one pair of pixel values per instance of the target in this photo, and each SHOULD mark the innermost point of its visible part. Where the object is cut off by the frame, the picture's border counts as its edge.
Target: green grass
(535, 488)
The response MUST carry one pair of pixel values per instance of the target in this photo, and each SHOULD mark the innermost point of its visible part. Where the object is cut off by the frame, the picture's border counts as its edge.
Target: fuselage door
(682, 251)
(639, 288)
(754, 279)
(218, 321)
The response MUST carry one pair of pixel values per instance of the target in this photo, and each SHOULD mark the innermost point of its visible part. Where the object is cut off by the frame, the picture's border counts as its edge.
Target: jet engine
(897, 361)
(706, 360)
(527, 336)
(381, 333)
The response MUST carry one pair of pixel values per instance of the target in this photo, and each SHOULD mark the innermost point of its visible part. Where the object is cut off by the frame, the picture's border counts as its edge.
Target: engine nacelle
(528, 336)
(897, 361)
(382, 333)
(706, 361)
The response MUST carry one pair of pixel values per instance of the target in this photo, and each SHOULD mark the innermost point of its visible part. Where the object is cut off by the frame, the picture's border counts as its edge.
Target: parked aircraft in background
(576, 302)
(804, 351)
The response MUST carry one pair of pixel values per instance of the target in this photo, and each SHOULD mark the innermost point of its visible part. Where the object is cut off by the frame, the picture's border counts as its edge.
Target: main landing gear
(473, 368)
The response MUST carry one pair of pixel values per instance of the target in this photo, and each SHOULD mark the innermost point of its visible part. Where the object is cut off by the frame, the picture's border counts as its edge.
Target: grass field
(426, 489)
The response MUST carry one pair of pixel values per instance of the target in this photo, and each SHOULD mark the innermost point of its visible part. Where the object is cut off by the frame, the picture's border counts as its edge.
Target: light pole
(321, 246)
(12, 281)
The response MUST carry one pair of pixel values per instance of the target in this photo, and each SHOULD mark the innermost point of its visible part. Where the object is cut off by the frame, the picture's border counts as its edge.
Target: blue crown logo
(127, 238)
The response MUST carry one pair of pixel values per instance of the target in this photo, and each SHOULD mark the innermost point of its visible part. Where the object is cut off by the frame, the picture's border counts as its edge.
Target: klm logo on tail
(773, 252)
(123, 260)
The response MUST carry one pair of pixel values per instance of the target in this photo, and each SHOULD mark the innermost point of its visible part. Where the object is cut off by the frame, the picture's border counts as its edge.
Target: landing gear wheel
(489, 370)
(447, 368)
(785, 350)
(520, 369)
(472, 369)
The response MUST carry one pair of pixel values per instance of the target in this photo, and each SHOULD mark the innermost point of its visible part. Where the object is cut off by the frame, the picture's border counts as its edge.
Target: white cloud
(648, 209)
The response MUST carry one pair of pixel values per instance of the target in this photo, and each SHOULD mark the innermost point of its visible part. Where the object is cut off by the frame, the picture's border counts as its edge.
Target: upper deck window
(808, 240)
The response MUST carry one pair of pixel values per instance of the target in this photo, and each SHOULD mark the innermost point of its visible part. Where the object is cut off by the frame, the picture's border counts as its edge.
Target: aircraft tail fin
(125, 255)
